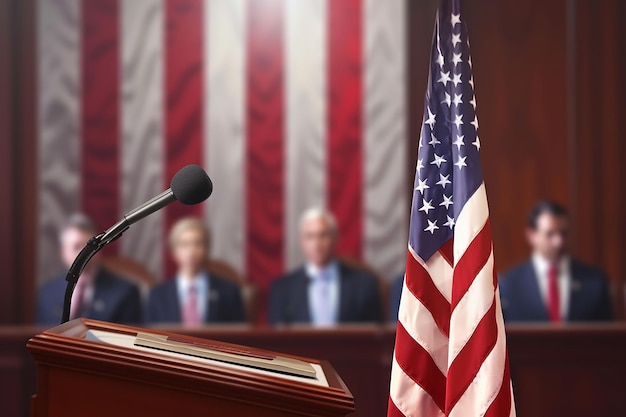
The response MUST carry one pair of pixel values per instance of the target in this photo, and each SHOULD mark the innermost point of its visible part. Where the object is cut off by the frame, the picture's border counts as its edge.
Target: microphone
(190, 185)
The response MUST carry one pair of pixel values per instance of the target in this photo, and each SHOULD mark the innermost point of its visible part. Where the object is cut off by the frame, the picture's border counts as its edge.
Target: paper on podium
(249, 360)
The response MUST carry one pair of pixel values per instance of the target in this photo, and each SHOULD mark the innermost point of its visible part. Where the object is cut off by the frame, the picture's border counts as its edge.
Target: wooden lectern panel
(80, 377)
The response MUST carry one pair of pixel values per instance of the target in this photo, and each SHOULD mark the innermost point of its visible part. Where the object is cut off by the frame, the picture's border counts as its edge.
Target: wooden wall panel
(17, 161)
(599, 184)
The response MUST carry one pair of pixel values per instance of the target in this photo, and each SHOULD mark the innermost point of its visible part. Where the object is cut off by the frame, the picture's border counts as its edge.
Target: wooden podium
(80, 376)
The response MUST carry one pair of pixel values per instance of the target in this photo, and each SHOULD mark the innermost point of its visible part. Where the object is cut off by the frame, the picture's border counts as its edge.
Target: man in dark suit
(99, 294)
(323, 292)
(194, 297)
(552, 287)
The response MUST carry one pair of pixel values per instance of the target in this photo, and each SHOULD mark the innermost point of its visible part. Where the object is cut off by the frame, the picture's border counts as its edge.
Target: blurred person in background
(551, 286)
(99, 293)
(323, 292)
(194, 297)
(395, 292)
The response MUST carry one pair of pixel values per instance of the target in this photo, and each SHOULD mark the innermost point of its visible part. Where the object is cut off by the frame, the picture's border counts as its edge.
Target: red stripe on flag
(392, 410)
(466, 364)
(184, 89)
(418, 365)
(345, 149)
(471, 263)
(419, 282)
(265, 147)
(501, 405)
(100, 112)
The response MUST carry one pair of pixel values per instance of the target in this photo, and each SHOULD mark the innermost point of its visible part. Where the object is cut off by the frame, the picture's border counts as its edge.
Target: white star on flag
(431, 119)
(456, 58)
(450, 222)
(443, 181)
(458, 120)
(447, 201)
(420, 166)
(459, 142)
(457, 79)
(432, 226)
(477, 143)
(426, 206)
(454, 19)
(447, 100)
(438, 161)
(461, 162)
(444, 78)
(422, 185)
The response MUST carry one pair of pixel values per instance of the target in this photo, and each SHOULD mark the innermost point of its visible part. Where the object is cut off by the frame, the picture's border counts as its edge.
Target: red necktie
(554, 305)
(190, 311)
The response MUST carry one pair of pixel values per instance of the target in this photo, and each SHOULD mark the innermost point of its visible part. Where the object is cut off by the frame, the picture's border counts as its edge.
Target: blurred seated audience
(194, 297)
(551, 286)
(395, 292)
(99, 294)
(323, 292)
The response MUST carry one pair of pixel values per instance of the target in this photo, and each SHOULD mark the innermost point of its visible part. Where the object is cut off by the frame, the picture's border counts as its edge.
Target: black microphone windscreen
(191, 185)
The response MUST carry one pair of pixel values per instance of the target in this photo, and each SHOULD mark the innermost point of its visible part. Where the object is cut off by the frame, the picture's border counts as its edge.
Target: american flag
(287, 104)
(450, 354)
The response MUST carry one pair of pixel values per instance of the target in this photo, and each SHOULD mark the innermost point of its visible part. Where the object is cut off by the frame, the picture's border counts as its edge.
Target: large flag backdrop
(287, 104)
(450, 356)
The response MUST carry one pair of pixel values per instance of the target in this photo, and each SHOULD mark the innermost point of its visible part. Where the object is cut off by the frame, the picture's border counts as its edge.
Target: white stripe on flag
(409, 397)
(474, 215)
(440, 271)
(59, 86)
(471, 309)
(142, 29)
(421, 326)
(385, 191)
(305, 121)
(224, 126)
(486, 384)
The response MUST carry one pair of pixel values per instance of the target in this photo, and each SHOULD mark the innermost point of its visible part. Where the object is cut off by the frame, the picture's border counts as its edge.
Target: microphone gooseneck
(190, 185)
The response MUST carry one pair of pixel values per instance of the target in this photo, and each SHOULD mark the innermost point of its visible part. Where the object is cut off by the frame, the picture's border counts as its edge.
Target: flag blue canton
(448, 168)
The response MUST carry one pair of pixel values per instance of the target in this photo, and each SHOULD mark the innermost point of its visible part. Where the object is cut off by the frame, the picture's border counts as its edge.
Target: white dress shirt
(323, 312)
(201, 282)
(564, 281)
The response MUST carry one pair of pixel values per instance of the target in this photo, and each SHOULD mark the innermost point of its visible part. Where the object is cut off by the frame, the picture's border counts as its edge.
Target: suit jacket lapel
(345, 290)
(576, 297)
(298, 310)
(535, 304)
(172, 303)
(212, 312)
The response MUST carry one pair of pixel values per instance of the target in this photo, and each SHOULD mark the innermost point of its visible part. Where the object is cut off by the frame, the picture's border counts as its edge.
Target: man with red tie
(194, 297)
(99, 293)
(551, 286)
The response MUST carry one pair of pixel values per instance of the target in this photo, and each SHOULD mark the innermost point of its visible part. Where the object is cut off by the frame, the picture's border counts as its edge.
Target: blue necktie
(322, 309)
